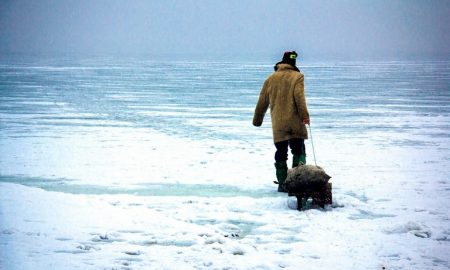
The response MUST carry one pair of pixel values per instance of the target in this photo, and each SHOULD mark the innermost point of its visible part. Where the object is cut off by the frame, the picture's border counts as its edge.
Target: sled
(320, 196)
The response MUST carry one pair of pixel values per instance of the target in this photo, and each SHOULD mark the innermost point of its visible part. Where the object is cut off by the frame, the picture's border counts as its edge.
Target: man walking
(283, 91)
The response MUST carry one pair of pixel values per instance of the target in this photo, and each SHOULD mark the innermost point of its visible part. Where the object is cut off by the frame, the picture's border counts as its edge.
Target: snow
(374, 220)
(100, 187)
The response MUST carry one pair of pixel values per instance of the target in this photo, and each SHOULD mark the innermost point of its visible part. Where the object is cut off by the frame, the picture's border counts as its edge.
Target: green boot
(298, 159)
(281, 172)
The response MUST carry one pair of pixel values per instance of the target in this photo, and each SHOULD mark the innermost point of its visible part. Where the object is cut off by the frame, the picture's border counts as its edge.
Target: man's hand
(258, 119)
(306, 121)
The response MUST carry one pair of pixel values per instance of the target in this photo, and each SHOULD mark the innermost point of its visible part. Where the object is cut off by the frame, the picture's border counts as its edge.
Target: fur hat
(289, 58)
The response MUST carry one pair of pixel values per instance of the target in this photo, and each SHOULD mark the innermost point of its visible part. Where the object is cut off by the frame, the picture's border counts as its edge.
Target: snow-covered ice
(114, 164)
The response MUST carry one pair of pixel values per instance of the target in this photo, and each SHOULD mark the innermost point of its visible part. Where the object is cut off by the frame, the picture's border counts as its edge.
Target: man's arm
(261, 106)
(300, 100)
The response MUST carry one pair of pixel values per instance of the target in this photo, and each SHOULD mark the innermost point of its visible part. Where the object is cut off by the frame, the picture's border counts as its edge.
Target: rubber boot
(298, 160)
(281, 172)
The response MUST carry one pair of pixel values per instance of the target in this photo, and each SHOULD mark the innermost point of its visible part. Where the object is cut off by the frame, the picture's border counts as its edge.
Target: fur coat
(283, 91)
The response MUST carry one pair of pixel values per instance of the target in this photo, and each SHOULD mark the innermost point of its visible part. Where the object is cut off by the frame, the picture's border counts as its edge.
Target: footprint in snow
(133, 252)
(233, 235)
(410, 227)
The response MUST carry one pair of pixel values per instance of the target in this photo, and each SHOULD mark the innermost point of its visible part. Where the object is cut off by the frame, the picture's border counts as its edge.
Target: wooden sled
(320, 196)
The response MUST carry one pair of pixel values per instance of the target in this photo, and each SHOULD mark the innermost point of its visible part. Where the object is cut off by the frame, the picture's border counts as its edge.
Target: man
(284, 92)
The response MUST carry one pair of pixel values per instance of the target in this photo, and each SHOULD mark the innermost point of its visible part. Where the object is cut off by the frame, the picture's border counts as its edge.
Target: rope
(312, 144)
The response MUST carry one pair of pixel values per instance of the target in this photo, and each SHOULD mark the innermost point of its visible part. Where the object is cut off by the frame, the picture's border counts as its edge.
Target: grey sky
(316, 28)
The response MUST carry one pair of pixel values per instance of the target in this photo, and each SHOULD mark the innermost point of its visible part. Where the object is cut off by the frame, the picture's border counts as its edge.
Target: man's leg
(282, 151)
(298, 151)
(281, 156)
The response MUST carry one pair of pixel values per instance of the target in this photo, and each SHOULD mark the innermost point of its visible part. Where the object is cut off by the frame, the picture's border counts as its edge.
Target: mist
(381, 29)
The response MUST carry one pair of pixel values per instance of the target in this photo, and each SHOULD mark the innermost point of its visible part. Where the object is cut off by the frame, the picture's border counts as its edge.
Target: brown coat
(284, 92)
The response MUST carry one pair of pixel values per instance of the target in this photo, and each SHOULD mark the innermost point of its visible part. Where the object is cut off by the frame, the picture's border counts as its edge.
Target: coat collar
(283, 66)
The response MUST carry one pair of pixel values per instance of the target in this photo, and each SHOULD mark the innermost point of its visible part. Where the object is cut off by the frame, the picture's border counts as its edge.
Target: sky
(344, 29)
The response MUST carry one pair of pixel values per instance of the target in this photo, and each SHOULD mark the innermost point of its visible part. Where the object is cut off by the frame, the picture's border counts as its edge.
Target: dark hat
(289, 58)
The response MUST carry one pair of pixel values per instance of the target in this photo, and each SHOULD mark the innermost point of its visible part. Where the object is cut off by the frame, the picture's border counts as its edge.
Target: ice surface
(135, 164)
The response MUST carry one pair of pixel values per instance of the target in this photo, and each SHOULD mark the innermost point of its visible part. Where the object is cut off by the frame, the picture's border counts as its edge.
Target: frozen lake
(175, 138)
(129, 122)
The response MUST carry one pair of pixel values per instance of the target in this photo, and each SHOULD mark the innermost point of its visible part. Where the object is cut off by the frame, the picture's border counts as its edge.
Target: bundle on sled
(309, 181)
